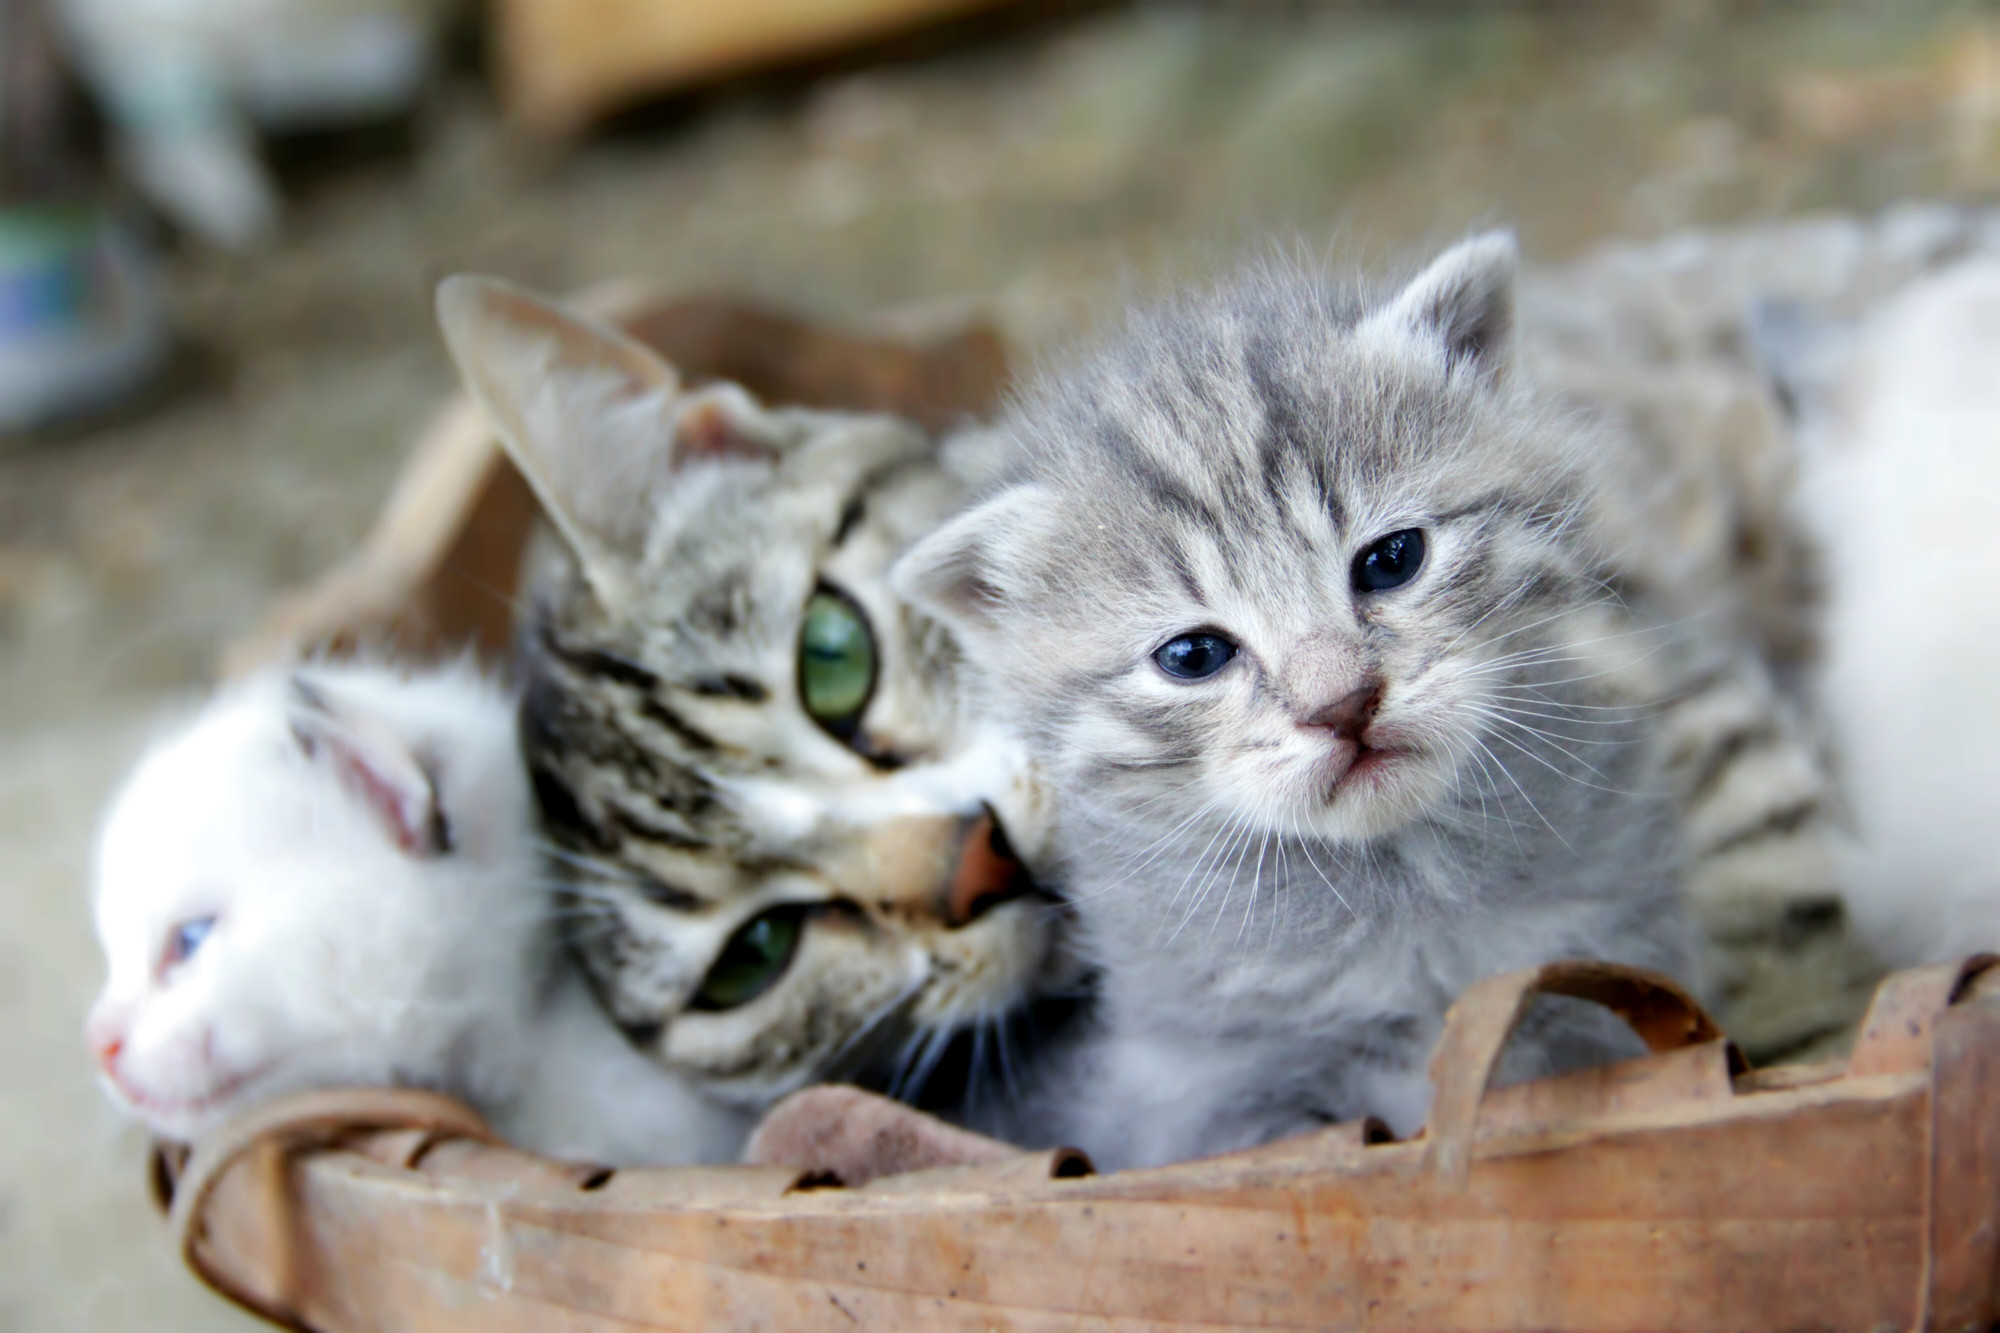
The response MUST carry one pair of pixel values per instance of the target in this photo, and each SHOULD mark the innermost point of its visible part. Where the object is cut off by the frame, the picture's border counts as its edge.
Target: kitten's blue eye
(184, 940)
(1389, 562)
(1195, 656)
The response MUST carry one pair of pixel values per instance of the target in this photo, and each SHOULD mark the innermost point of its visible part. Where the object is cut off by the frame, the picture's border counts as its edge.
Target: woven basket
(1675, 1192)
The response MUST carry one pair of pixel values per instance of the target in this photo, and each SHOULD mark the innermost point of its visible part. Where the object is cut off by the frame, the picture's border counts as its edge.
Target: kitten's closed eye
(1195, 656)
(185, 939)
(1389, 562)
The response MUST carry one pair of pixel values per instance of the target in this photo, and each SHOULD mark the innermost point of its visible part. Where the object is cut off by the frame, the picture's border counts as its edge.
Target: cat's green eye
(755, 956)
(836, 662)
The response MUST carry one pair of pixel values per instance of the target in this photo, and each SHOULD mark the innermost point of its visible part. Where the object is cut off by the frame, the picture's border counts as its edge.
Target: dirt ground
(1039, 177)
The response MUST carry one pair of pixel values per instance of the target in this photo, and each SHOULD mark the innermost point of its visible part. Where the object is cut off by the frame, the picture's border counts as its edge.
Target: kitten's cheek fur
(981, 971)
(179, 1091)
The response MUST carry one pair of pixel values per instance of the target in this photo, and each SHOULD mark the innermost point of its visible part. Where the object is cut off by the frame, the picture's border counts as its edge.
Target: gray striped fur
(1277, 953)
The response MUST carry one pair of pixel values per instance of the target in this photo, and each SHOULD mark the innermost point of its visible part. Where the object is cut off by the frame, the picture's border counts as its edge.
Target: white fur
(1902, 469)
(341, 956)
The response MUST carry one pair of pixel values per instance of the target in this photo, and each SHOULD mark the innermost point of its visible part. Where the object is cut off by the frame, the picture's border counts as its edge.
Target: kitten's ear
(595, 421)
(1465, 300)
(375, 767)
(968, 573)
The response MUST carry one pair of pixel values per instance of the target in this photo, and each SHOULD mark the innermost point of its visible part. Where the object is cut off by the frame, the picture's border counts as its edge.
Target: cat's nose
(987, 873)
(104, 1034)
(1349, 715)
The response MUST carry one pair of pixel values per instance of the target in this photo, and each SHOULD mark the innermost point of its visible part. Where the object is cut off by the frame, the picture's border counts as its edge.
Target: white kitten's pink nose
(104, 1033)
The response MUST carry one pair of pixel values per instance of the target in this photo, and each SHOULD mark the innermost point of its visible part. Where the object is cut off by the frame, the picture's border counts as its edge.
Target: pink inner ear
(398, 793)
(705, 433)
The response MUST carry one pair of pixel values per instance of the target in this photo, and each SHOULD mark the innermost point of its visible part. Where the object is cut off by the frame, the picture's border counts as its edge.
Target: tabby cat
(1676, 338)
(789, 858)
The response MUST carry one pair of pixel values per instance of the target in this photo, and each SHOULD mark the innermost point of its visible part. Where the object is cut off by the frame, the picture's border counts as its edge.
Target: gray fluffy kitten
(1314, 610)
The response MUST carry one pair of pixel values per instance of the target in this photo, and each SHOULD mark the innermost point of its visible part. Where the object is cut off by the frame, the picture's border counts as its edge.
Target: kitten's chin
(187, 1115)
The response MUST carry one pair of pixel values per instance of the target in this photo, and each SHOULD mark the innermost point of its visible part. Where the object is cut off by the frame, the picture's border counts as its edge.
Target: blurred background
(221, 222)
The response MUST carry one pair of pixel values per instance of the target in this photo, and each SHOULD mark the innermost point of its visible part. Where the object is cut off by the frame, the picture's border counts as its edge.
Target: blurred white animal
(331, 878)
(188, 83)
(1900, 487)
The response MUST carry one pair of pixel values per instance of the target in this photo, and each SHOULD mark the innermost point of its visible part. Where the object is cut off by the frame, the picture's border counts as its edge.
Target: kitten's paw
(856, 1137)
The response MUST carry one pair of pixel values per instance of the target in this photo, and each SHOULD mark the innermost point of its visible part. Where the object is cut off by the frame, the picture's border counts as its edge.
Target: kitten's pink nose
(104, 1034)
(1349, 716)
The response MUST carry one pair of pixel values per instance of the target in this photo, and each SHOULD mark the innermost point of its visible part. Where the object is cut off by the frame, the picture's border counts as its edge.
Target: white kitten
(1901, 469)
(331, 878)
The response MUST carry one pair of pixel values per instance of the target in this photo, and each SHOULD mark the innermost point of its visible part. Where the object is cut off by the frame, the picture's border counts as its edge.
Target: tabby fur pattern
(673, 757)
(1287, 865)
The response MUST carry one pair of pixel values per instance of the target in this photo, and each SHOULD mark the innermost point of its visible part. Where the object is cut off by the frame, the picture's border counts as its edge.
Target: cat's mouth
(159, 1110)
(1362, 766)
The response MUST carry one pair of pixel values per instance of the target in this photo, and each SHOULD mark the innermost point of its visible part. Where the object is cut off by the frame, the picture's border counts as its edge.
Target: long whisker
(1505, 718)
(1509, 775)
(1504, 739)
(1216, 869)
(1306, 845)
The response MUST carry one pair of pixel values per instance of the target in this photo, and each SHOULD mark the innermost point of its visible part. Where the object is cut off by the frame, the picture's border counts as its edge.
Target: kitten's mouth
(1366, 767)
(218, 1095)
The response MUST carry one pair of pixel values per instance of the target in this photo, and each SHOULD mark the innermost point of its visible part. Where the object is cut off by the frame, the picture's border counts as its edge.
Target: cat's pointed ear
(594, 420)
(374, 765)
(970, 573)
(1465, 301)
(581, 408)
